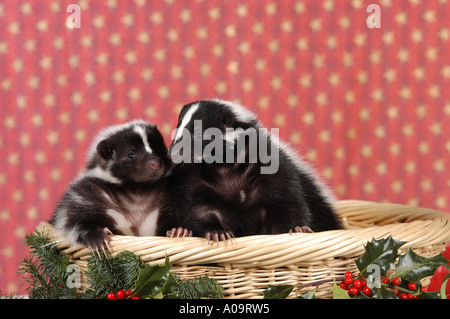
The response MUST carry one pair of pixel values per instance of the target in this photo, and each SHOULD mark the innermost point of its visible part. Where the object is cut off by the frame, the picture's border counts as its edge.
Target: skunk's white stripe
(242, 114)
(148, 225)
(139, 130)
(102, 174)
(70, 234)
(121, 221)
(186, 119)
(108, 132)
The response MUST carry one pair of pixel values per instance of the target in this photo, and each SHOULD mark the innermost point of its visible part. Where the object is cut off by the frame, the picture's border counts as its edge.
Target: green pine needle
(202, 287)
(45, 271)
(113, 273)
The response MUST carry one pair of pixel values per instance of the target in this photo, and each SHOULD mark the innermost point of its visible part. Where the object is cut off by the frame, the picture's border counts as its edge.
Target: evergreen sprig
(45, 270)
(200, 288)
(46, 273)
(157, 282)
(112, 274)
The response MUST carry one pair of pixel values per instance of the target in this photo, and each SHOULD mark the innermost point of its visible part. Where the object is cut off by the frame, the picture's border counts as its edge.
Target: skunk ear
(105, 149)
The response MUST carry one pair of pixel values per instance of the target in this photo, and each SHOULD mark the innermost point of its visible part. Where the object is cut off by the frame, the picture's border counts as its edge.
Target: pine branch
(45, 270)
(112, 274)
(202, 287)
(53, 260)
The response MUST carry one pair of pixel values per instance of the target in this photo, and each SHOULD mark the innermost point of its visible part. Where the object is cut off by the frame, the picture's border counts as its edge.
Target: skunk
(234, 178)
(123, 189)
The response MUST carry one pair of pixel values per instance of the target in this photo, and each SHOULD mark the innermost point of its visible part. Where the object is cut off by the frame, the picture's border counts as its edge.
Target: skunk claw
(179, 232)
(170, 233)
(104, 251)
(302, 229)
(107, 245)
(98, 241)
(98, 253)
(219, 235)
(187, 233)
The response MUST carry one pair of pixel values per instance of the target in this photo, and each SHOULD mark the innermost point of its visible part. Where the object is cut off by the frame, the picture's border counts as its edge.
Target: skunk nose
(155, 163)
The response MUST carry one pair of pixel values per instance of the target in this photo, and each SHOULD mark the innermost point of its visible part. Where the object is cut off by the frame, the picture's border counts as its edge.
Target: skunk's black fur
(235, 198)
(123, 189)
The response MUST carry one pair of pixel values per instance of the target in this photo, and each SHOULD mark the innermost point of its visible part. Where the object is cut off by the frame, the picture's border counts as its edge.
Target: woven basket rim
(364, 220)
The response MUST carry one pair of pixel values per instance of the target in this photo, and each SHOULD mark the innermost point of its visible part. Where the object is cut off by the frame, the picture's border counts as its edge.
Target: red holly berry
(348, 280)
(403, 296)
(424, 289)
(134, 297)
(120, 294)
(348, 274)
(396, 281)
(367, 291)
(386, 281)
(127, 293)
(364, 283)
(111, 295)
(412, 286)
(353, 291)
(343, 285)
(357, 283)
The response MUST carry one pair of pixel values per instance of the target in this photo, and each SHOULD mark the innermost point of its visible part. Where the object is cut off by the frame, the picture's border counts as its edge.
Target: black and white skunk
(234, 178)
(123, 189)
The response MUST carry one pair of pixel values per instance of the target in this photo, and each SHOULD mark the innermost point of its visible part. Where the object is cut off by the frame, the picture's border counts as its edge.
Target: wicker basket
(246, 266)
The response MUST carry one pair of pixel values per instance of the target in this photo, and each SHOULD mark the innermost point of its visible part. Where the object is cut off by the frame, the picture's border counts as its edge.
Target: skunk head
(129, 153)
(205, 125)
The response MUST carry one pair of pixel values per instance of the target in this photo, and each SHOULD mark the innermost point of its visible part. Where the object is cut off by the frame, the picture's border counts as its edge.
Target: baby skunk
(219, 198)
(123, 189)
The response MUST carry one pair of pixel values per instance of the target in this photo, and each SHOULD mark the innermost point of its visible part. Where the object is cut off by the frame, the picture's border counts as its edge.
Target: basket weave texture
(247, 265)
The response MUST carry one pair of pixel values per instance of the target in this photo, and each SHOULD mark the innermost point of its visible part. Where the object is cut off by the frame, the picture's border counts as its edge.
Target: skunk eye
(131, 155)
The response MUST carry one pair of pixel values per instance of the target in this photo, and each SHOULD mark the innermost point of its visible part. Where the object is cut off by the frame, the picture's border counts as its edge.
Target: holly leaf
(170, 283)
(383, 293)
(308, 295)
(379, 257)
(445, 287)
(413, 267)
(153, 281)
(277, 291)
(338, 292)
(430, 295)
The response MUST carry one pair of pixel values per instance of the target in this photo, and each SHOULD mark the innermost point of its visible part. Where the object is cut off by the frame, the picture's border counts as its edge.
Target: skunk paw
(303, 229)
(219, 235)
(179, 232)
